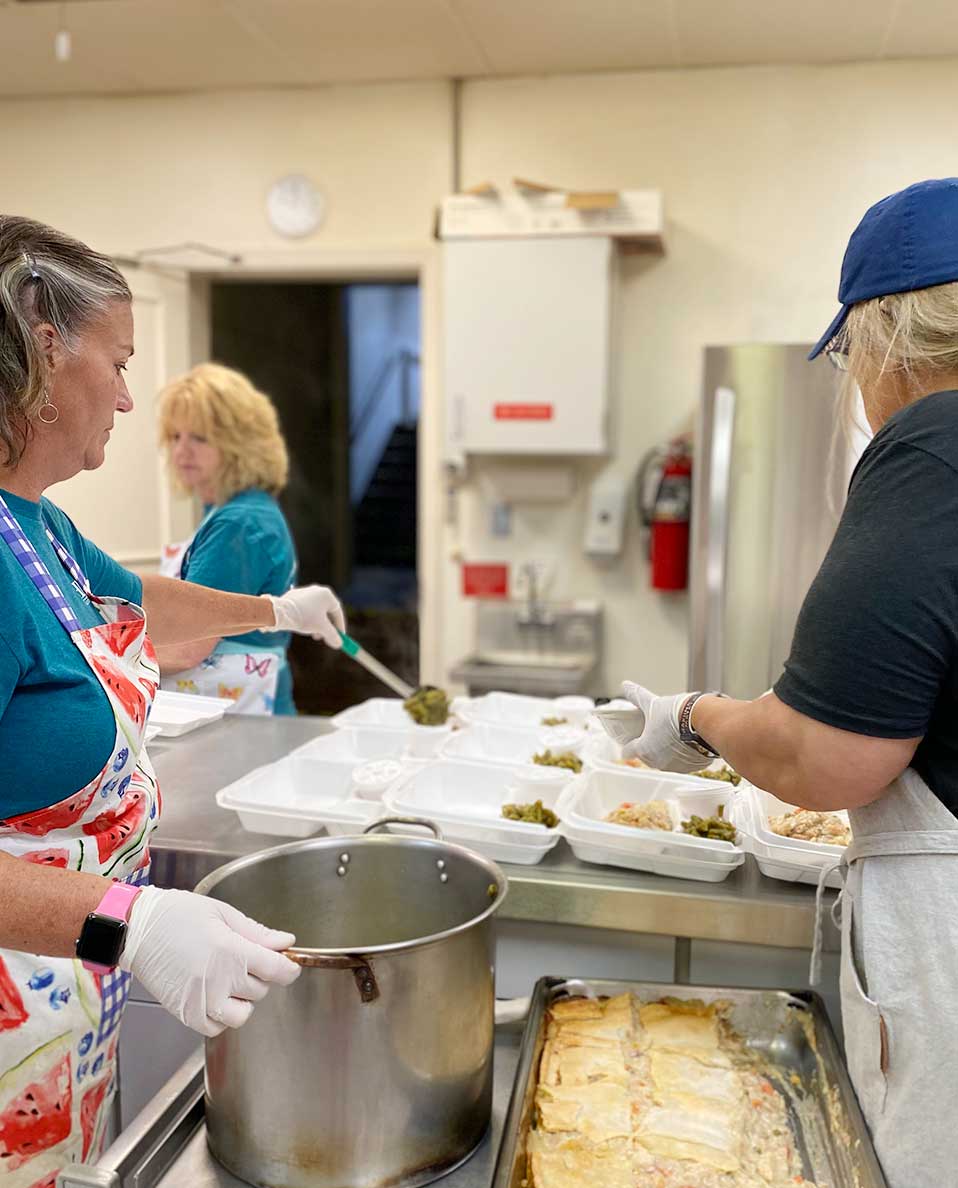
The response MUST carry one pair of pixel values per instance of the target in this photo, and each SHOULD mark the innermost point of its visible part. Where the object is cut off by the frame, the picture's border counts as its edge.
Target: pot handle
(426, 824)
(362, 971)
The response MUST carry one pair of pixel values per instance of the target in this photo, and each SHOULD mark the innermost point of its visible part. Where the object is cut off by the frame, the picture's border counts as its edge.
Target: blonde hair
(911, 335)
(45, 277)
(222, 405)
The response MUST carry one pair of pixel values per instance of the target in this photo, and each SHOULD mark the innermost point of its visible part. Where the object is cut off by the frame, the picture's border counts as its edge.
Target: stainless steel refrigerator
(768, 484)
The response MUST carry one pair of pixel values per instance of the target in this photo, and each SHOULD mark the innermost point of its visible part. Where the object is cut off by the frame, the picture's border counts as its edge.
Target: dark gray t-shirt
(876, 644)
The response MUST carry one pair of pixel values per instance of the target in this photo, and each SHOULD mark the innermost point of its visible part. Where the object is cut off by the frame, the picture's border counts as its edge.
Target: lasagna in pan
(654, 1095)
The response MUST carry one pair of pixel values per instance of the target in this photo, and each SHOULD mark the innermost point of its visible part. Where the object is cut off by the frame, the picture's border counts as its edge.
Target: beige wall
(128, 174)
(136, 173)
(764, 172)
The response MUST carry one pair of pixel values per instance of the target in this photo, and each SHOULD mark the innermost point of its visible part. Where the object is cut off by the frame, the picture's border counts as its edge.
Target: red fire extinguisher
(665, 493)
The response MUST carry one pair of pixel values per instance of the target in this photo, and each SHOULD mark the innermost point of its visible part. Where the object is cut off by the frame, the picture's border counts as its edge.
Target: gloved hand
(659, 745)
(310, 610)
(203, 960)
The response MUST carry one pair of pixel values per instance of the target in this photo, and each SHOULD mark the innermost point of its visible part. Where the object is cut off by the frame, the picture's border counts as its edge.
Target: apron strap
(899, 844)
(905, 843)
(818, 942)
(37, 572)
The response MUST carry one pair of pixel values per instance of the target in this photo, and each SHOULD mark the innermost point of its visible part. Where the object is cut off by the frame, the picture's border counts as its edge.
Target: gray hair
(45, 277)
(911, 335)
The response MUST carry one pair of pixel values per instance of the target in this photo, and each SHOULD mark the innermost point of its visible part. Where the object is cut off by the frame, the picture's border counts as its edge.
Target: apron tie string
(815, 965)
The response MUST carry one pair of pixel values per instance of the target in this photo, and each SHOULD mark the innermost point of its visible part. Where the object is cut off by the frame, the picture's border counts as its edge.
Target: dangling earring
(48, 413)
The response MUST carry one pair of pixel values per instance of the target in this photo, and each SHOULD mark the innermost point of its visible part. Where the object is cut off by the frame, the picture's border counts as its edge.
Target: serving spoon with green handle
(358, 653)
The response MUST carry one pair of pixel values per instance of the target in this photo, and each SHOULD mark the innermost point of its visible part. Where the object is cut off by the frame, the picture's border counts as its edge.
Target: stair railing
(370, 402)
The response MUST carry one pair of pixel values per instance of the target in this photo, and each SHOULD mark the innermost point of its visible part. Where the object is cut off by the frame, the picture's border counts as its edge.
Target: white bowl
(370, 780)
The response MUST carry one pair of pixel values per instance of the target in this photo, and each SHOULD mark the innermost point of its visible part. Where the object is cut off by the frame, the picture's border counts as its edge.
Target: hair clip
(34, 275)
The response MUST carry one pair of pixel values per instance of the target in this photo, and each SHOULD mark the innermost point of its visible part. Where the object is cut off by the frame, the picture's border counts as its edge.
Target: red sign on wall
(485, 581)
(523, 412)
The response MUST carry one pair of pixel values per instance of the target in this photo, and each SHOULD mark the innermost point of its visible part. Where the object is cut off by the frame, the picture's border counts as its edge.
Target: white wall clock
(294, 206)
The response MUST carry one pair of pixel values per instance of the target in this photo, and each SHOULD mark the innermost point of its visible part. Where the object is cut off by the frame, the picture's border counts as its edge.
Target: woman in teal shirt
(224, 444)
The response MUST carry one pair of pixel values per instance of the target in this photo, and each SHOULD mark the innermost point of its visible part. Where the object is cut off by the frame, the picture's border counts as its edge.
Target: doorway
(341, 363)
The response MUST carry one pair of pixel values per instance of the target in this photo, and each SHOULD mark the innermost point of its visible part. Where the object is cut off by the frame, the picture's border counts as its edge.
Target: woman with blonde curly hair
(224, 444)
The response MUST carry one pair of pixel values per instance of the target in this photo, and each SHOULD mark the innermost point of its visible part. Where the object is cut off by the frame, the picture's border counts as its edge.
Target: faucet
(534, 613)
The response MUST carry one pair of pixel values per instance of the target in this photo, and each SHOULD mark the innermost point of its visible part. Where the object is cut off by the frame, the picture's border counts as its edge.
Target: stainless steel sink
(546, 649)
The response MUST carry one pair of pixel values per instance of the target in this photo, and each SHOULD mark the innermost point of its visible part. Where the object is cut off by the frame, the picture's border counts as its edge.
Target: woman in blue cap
(865, 715)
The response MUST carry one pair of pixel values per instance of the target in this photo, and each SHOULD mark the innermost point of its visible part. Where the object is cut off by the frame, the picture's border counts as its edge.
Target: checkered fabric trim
(115, 986)
(37, 572)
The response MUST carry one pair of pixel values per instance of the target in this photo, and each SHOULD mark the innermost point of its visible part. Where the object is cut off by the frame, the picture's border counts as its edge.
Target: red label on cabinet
(523, 412)
(485, 581)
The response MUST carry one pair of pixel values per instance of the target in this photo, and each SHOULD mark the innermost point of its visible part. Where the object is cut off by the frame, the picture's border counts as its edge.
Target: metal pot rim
(212, 880)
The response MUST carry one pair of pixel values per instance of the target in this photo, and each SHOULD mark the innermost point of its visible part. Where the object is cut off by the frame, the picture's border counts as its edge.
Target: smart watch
(691, 737)
(103, 935)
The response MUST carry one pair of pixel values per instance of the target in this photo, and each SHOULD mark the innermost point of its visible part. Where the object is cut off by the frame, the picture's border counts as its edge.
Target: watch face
(102, 939)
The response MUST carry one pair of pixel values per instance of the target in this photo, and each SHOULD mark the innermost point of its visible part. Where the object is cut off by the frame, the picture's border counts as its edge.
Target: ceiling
(122, 46)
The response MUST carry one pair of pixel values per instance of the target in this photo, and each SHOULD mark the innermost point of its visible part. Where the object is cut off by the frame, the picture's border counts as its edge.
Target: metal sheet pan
(789, 1030)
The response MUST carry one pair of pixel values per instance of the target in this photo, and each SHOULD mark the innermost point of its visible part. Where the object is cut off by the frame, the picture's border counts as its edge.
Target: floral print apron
(58, 1021)
(248, 677)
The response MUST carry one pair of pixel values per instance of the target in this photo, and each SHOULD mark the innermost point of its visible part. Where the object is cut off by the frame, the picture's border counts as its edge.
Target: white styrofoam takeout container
(519, 710)
(489, 742)
(387, 713)
(589, 799)
(175, 714)
(465, 800)
(297, 796)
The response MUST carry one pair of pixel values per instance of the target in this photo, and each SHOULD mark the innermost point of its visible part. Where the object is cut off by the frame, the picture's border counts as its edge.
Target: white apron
(58, 1021)
(899, 980)
(248, 677)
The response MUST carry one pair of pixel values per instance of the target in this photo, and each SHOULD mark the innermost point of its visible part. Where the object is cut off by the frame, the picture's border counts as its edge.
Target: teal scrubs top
(57, 727)
(245, 546)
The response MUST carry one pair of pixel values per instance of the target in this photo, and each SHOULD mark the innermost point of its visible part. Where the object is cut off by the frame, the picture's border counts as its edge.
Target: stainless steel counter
(195, 836)
(165, 1147)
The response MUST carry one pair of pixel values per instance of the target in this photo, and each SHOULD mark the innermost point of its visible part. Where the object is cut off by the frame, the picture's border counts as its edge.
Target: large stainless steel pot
(375, 1067)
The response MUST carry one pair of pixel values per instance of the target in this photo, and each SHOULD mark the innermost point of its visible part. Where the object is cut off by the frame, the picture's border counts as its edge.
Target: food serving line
(557, 895)
(196, 836)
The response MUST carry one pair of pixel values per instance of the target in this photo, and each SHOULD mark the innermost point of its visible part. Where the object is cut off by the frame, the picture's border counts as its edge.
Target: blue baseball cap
(907, 241)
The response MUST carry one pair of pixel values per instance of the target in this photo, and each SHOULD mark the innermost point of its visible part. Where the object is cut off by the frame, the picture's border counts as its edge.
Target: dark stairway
(384, 524)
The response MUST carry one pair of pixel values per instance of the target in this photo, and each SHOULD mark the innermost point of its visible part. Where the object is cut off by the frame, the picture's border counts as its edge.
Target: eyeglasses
(837, 351)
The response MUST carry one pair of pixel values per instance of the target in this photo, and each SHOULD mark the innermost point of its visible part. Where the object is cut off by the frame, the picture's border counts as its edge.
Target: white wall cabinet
(526, 345)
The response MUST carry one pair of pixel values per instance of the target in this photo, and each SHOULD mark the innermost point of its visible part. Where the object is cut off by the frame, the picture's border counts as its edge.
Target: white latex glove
(659, 745)
(203, 960)
(310, 610)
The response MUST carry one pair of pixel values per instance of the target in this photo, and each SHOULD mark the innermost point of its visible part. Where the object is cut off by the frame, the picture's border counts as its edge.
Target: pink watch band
(115, 903)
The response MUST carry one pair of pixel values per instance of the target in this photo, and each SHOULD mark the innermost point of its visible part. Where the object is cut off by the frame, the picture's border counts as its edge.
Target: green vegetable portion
(428, 706)
(564, 759)
(726, 774)
(532, 814)
(716, 828)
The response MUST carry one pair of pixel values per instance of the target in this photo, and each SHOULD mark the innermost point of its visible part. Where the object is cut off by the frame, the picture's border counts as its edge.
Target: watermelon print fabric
(58, 1021)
